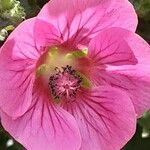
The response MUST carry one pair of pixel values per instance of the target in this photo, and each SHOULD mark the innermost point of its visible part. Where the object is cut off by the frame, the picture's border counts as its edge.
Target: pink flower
(75, 77)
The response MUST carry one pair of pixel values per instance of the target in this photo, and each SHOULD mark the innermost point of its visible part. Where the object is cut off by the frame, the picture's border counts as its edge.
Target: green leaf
(143, 8)
(11, 13)
(145, 124)
(6, 4)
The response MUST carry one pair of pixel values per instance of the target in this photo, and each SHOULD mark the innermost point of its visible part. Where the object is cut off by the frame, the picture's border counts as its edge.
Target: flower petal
(136, 86)
(79, 20)
(45, 34)
(44, 126)
(17, 62)
(106, 118)
(134, 79)
(110, 48)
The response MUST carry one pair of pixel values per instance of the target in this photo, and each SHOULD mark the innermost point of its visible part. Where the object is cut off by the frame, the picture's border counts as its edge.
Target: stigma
(65, 83)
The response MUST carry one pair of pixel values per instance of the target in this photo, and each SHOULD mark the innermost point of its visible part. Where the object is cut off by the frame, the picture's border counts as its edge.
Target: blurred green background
(12, 12)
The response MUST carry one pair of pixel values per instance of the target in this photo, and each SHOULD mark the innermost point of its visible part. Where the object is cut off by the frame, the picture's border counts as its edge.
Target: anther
(65, 83)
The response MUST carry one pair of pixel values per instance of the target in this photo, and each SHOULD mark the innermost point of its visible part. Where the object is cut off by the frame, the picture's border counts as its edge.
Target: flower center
(65, 83)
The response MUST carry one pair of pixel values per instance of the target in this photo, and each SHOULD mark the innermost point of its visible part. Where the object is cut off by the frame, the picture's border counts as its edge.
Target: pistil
(65, 83)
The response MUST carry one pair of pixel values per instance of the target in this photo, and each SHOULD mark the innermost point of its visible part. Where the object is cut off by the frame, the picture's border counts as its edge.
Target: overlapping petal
(132, 78)
(17, 62)
(44, 126)
(110, 48)
(18, 59)
(79, 20)
(45, 34)
(101, 117)
(106, 118)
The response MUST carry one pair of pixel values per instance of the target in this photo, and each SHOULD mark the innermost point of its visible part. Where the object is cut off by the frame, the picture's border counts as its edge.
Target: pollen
(65, 83)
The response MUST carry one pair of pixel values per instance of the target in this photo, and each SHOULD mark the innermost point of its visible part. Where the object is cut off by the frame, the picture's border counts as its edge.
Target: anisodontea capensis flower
(75, 77)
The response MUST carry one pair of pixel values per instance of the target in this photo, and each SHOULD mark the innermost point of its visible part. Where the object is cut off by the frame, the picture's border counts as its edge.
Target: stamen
(65, 83)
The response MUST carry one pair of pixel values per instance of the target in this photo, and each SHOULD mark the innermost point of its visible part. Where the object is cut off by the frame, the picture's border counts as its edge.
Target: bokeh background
(12, 12)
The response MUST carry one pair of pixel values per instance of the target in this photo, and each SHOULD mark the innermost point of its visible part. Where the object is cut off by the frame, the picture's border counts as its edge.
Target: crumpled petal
(79, 20)
(105, 116)
(132, 78)
(44, 126)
